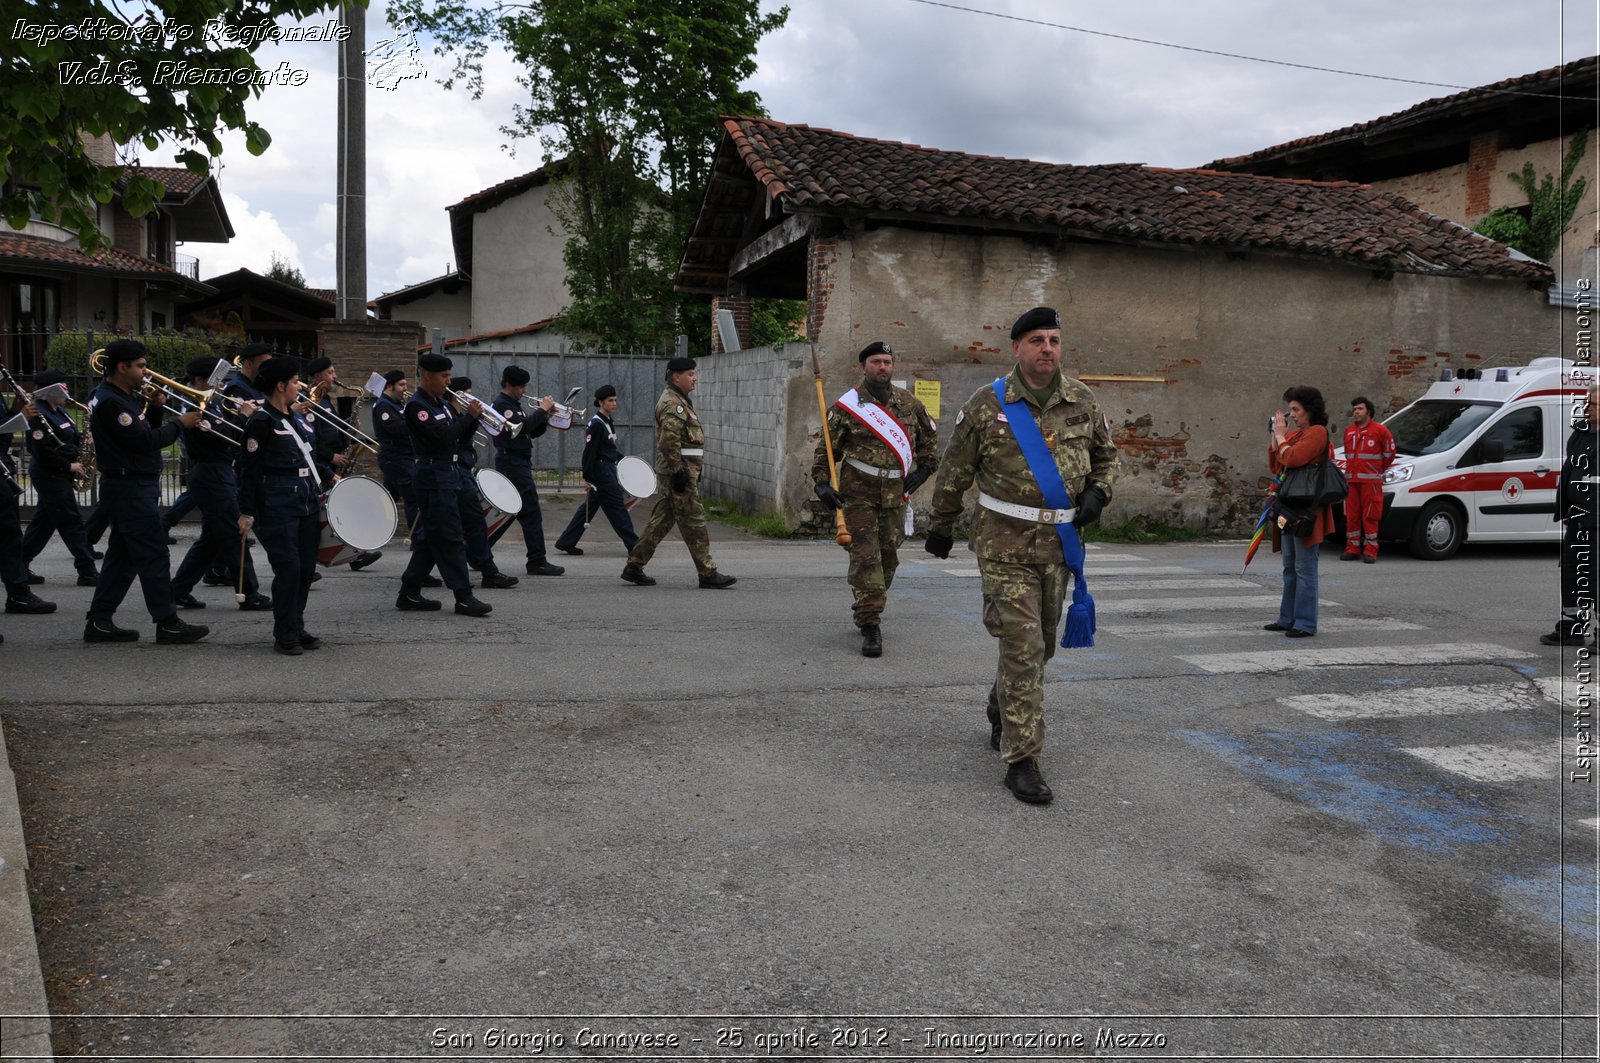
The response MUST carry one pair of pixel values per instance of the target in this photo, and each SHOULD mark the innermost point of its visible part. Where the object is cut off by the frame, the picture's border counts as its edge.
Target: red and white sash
(881, 423)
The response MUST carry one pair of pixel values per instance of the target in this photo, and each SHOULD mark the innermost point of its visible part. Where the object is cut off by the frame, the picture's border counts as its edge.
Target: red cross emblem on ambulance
(1511, 490)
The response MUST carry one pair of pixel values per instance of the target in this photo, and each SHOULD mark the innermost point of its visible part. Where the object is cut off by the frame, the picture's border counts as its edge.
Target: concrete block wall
(743, 398)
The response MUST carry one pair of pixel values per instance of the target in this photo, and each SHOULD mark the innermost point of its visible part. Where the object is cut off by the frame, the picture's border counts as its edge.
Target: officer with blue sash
(438, 480)
(1041, 454)
(279, 488)
(128, 449)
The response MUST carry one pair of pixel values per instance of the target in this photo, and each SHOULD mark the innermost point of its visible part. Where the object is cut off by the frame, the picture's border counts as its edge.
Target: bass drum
(501, 500)
(637, 478)
(358, 516)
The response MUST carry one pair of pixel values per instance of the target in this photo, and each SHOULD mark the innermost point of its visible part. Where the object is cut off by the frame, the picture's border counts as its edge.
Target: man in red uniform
(1368, 450)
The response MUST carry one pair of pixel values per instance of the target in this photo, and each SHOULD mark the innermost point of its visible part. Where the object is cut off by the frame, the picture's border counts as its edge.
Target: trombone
(196, 398)
(350, 431)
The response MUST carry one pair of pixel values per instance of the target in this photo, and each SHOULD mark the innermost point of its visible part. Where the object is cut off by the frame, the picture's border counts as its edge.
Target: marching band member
(19, 595)
(213, 449)
(436, 435)
(474, 523)
(600, 457)
(278, 491)
(886, 447)
(128, 446)
(54, 444)
(513, 459)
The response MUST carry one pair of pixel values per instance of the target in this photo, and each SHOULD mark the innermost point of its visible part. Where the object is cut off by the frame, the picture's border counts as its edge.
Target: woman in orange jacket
(1299, 439)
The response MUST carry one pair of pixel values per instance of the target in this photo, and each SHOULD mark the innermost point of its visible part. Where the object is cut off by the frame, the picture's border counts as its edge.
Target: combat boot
(635, 574)
(871, 641)
(1026, 784)
(717, 580)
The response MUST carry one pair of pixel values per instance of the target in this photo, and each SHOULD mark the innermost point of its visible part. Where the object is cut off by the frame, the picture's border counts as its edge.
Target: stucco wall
(517, 273)
(1223, 335)
(1468, 191)
(450, 312)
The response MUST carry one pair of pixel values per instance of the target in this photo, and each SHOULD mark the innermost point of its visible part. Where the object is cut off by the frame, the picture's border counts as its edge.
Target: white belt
(1038, 516)
(693, 452)
(873, 470)
(1588, 479)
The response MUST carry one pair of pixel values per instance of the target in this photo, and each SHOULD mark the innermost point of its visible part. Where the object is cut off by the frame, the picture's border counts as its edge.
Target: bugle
(494, 422)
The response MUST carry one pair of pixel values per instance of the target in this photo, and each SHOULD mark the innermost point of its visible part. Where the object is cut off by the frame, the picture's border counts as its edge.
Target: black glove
(938, 544)
(828, 495)
(1090, 503)
(680, 481)
(918, 477)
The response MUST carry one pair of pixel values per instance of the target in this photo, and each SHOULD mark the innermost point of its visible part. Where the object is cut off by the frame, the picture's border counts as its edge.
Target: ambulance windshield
(1430, 427)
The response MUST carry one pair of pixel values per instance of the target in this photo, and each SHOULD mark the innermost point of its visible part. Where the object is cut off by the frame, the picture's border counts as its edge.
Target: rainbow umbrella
(1262, 523)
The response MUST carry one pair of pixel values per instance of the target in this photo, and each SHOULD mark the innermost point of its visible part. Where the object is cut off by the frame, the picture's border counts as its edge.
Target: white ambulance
(1479, 455)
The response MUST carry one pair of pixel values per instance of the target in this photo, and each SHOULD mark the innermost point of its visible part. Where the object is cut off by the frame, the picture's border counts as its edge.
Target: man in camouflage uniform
(1014, 535)
(680, 452)
(876, 475)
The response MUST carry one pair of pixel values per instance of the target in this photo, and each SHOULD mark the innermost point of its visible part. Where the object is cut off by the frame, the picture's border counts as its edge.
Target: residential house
(1453, 155)
(1191, 299)
(266, 309)
(138, 283)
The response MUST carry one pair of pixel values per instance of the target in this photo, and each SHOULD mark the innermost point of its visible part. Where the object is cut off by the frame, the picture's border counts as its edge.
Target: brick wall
(739, 307)
(361, 348)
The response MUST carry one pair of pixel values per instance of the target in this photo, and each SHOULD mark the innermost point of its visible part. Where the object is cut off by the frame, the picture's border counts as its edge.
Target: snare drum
(358, 516)
(637, 478)
(501, 500)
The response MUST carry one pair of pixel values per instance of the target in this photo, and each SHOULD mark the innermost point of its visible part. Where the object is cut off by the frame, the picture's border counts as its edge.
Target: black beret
(318, 365)
(1038, 317)
(120, 352)
(256, 350)
(393, 377)
(514, 375)
(680, 365)
(875, 347)
(201, 367)
(275, 371)
(434, 363)
(45, 377)
(604, 392)
(461, 383)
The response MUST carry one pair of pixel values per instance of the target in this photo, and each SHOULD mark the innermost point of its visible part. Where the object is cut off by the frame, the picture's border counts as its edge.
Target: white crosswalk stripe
(1118, 584)
(1265, 603)
(1498, 763)
(1297, 658)
(1179, 632)
(1567, 690)
(1417, 701)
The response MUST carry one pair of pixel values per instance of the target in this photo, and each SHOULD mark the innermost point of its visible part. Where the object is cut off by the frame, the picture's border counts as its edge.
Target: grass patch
(766, 525)
(1143, 529)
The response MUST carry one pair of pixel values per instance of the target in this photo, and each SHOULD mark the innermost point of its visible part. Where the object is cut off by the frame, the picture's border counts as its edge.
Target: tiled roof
(21, 249)
(819, 171)
(179, 181)
(520, 330)
(1574, 78)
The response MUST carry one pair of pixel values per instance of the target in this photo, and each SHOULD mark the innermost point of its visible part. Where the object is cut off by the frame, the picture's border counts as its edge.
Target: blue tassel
(1080, 619)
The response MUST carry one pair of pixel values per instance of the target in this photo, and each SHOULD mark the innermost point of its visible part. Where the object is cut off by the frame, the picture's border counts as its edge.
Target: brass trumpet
(494, 422)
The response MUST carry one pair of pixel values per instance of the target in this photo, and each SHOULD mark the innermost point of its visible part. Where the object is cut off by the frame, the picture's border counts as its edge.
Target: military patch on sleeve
(252, 445)
(680, 409)
(38, 433)
(961, 415)
(422, 415)
(125, 419)
(386, 415)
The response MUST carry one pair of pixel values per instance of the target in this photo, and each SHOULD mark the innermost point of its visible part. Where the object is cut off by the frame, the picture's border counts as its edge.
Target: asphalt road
(605, 817)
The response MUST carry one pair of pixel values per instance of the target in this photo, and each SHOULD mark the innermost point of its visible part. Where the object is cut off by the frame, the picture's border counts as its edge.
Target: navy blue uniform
(128, 446)
(13, 569)
(474, 522)
(513, 459)
(54, 444)
(214, 486)
(395, 457)
(1578, 504)
(600, 457)
(437, 483)
(279, 488)
(329, 440)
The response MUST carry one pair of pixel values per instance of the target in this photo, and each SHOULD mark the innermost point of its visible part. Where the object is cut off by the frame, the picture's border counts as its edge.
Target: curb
(25, 1029)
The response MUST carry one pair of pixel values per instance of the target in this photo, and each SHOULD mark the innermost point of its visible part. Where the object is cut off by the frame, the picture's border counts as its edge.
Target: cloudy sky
(943, 75)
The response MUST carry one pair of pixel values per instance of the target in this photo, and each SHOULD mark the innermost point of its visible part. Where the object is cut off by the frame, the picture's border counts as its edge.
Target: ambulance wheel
(1439, 531)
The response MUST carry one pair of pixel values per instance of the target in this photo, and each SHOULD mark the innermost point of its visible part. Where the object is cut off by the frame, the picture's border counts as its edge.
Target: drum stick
(244, 537)
(588, 508)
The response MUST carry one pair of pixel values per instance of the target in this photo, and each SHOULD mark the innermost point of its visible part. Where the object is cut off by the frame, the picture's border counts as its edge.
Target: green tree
(628, 93)
(282, 270)
(76, 67)
(1551, 205)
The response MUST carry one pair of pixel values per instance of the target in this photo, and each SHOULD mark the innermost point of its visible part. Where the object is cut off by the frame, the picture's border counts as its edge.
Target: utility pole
(351, 199)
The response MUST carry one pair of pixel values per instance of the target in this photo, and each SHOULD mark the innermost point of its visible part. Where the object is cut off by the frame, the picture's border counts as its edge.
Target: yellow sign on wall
(928, 392)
